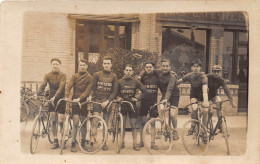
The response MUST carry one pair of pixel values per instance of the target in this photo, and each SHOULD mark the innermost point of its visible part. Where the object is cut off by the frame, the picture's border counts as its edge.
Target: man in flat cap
(56, 80)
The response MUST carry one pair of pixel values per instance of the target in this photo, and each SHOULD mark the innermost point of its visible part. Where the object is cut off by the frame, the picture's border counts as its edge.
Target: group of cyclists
(104, 87)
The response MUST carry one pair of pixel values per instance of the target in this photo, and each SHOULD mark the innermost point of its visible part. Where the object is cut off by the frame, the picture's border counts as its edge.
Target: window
(228, 55)
(182, 45)
(235, 57)
(94, 38)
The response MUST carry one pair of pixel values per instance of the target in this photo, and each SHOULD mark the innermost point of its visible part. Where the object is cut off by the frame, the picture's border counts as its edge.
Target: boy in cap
(56, 80)
(214, 82)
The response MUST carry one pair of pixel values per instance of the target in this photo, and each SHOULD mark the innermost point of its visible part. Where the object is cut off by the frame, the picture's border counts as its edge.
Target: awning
(107, 18)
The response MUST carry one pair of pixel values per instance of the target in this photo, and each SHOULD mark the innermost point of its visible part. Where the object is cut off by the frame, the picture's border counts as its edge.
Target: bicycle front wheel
(65, 133)
(49, 129)
(157, 132)
(195, 140)
(36, 133)
(119, 132)
(225, 134)
(93, 131)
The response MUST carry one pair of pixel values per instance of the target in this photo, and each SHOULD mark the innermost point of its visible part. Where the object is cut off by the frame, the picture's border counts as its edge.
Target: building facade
(215, 38)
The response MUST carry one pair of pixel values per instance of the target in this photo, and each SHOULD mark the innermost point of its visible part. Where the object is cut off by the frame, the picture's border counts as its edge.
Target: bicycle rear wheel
(193, 140)
(95, 134)
(225, 134)
(24, 113)
(65, 133)
(162, 136)
(36, 133)
(119, 132)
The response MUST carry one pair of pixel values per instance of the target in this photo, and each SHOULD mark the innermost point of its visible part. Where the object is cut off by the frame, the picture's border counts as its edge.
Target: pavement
(237, 127)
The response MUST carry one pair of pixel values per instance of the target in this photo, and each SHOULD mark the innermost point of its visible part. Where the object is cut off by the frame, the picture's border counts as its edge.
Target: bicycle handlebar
(165, 105)
(115, 101)
(199, 102)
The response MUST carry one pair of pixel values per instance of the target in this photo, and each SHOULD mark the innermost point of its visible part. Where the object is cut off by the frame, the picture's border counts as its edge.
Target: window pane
(182, 46)
(94, 43)
(242, 65)
(243, 36)
(227, 55)
(122, 37)
(109, 37)
(94, 28)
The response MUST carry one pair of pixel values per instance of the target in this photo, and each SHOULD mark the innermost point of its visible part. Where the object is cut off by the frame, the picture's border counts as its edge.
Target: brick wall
(144, 34)
(216, 47)
(47, 35)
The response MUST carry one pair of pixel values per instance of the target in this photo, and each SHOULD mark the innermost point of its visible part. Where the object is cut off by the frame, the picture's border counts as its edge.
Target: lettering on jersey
(127, 91)
(152, 88)
(104, 86)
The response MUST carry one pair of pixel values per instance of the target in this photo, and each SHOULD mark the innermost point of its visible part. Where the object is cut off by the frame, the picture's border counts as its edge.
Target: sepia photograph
(172, 84)
(172, 54)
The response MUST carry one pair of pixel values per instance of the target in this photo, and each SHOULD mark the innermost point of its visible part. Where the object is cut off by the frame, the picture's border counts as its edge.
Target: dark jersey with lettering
(214, 84)
(105, 85)
(128, 87)
(150, 81)
(167, 84)
(56, 81)
(196, 81)
(81, 83)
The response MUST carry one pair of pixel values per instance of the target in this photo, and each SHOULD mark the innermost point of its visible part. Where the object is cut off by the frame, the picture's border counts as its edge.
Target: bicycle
(94, 140)
(42, 118)
(27, 106)
(117, 124)
(193, 140)
(162, 132)
(24, 108)
(67, 126)
(221, 125)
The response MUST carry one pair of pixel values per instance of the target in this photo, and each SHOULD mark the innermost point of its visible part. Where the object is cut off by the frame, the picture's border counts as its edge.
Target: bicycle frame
(213, 130)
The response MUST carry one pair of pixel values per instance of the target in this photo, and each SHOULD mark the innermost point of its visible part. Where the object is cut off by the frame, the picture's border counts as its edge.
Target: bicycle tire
(164, 136)
(193, 142)
(49, 130)
(119, 132)
(24, 113)
(37, 126)
(225, 134)
(103, 136)
(65, 132)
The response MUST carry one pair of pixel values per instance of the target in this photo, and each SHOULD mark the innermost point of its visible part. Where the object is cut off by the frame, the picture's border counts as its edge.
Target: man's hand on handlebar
(164, 101)
(134, 99)
(232, 104)
(76, 100)
(104, 104)
(89, 98)
(34, 97)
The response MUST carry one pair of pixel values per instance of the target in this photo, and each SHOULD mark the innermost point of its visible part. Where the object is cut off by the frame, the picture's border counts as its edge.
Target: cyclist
(150, 81)
(127, 91)
(104, 90)
(170, 91)
(56, 80)
(214, 82)
(198, 92)
(81, 83)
